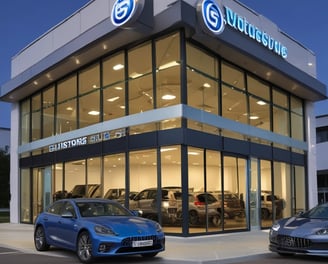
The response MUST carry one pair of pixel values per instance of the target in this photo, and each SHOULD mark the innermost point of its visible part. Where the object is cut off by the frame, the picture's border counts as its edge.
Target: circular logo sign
(212, 16)
(122, 11)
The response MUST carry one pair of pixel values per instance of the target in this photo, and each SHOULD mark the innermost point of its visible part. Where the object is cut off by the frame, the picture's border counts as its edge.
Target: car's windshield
(89, 209)
(317, 212)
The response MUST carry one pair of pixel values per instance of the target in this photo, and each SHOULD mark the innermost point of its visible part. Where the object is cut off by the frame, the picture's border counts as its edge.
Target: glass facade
(193, 177)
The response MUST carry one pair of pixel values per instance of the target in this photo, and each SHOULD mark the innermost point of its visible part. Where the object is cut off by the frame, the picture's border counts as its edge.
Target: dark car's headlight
(102, 230)
(322, 232)
(275, 227)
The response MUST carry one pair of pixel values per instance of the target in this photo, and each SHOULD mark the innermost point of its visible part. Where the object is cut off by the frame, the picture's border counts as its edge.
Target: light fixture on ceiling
(260, 102)
(113, 99)
(69, 108)
(253, 117)
(93, 113)
(168, 65)
(119, 88)
(118, 67)
(168, 97)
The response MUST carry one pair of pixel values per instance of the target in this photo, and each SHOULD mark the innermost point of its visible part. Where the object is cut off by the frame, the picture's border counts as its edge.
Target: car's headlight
(158, 227)
(102, 230)
(322, 232)
(275, 227)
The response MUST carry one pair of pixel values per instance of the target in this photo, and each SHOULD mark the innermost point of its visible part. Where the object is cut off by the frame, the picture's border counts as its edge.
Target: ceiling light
(260, 102)
(119, 88)
(113, 99)
(253, 117)
(93, 112)
(118, 67)
(69, 108)
(135, 75)
(168, 65)
(168, 97)
(206, 85)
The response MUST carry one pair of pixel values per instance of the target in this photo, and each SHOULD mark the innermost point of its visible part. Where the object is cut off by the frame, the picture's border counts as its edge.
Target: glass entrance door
(235, 192)
(41, 189)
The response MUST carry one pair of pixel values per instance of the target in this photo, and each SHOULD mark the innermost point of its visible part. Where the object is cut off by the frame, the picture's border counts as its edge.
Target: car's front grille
(127, 242)
(292, 242)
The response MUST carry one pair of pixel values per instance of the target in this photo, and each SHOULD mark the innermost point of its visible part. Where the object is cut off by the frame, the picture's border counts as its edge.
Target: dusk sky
(22, 21)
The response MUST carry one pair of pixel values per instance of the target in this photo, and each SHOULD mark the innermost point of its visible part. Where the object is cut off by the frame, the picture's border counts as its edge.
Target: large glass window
(114, 179)
(259, 103)
(66, 105)
(36, 116)
(171, 179)
(25, 196)
(234, 104)
(75, 178)
(48, 115)
(297, 120)
(266, 194)
(25, 122)
(141, 96)
(89, 96)
(202, 84)
(114, 87)
(280, 113)
(282, 206)
(168, 86)
(234, 192)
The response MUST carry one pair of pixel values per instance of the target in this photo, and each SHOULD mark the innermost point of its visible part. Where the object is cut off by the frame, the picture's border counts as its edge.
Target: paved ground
(209, 249)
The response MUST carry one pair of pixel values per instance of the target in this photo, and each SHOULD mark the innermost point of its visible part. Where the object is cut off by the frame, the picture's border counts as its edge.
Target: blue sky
(22, 21)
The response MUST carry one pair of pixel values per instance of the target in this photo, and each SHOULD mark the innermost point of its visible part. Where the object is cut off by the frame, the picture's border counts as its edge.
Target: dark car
(83, 190)
(233, 206)
(305, 233)
(97, 228)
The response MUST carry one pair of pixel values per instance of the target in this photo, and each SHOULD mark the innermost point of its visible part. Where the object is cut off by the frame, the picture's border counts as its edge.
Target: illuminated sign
(68, 144)
(212, 19)
(126, 11)
(212, 16)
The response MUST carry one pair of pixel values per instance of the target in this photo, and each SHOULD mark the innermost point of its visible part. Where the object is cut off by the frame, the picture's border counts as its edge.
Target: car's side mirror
(136, 212)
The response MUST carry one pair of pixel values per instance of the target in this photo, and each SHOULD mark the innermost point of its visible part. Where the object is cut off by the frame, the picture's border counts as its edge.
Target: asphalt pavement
(221, 248)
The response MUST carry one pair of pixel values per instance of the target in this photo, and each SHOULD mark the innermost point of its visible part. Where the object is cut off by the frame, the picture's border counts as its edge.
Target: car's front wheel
(84, 248)
(40, 240)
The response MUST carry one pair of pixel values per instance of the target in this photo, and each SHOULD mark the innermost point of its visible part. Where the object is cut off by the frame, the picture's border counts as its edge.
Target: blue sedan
(306, 233)
(97, 228)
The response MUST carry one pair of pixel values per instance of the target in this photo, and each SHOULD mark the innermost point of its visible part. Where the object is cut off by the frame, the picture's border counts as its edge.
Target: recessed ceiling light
(113, 99)
(168, 97)
(118, 67)
(93, 112)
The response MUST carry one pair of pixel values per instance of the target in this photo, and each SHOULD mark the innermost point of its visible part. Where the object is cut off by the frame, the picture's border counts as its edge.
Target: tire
(149, 255)
(193, 217)
(216, 220)
(84, 248)
(40, 241)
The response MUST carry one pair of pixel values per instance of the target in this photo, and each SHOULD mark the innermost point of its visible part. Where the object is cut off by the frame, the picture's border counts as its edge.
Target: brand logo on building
(212, 19)
(125, 11)
(212, 16)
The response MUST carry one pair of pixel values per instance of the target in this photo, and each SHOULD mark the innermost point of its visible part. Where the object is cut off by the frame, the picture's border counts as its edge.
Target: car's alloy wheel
(216, 220)
(84, 248)
(40, 241)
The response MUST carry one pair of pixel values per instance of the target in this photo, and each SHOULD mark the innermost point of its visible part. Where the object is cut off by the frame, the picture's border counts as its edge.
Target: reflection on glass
(36, 117)
(75, 180)
(282, 194)
(266, 194)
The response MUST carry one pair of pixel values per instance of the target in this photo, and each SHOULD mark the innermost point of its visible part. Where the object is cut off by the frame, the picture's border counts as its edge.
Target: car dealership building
(190, 95)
